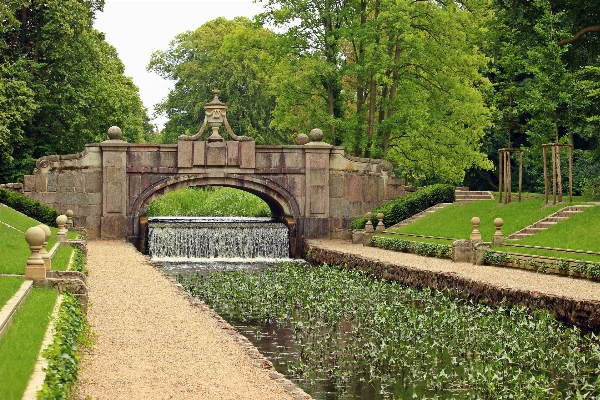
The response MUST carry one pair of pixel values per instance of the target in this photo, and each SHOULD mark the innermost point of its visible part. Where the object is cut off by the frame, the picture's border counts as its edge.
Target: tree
(235, 56)
(64, 84)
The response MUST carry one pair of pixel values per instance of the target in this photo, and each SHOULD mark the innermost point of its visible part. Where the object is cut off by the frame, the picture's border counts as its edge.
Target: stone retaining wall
(582, 313)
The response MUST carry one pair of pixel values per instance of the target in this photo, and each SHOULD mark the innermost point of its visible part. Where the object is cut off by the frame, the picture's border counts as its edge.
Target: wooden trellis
(505, 174)
(556, 173)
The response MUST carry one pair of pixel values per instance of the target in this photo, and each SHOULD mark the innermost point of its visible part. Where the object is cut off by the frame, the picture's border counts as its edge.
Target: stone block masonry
(315, 188)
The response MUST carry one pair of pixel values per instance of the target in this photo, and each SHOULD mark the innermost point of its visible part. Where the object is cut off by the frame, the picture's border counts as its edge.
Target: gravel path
(581, 289)
(153, 344)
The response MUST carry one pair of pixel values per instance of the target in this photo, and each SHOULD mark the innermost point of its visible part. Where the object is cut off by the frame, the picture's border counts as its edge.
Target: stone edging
(582, 313)
(7, 312)
(259, 360)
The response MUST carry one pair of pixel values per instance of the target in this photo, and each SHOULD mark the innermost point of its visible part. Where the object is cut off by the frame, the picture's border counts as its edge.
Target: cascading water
(184, 245)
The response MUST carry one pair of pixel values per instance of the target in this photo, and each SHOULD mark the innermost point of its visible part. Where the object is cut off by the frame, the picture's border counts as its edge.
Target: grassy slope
(13, 247)
(20, 346)
(454, 221)
(8, 287)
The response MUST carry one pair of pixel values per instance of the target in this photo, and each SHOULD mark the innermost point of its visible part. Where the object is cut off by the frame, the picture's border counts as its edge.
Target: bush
(407, 246)
(32, 208)
(408, 205)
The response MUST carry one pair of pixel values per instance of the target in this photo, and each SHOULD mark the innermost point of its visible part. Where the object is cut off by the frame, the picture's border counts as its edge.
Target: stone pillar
(61, 235)
(380, 226)
(114, 186)
(69, 215)
(498, 237)
(316, 223)
(45, 255)
(35, 268)
(480, 249)
(462, 251)
(475, 235)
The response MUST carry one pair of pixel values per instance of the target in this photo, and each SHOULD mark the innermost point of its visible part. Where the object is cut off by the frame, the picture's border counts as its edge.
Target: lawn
(20, 346)
(454, 220)
(14, 249)
(8, 287)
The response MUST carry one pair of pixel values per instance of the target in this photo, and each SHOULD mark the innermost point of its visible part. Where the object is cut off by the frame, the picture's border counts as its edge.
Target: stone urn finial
(475, 235)
(498, 236)
(69, 215)
(369, 224)
(380, 226)
(61, 221)
(35, 267)
(302, 139)
(316, 135)
(114, 133)
(215, 114)
(43, 252)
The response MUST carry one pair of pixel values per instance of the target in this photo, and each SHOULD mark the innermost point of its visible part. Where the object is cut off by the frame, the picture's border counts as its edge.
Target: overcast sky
(137, 28)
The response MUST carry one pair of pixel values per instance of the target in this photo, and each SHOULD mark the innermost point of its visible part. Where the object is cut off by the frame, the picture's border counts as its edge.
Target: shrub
(407, 246)
(408, 205)
(32, 208)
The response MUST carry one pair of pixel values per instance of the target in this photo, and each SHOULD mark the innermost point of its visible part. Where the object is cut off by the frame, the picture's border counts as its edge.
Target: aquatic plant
(354, 329)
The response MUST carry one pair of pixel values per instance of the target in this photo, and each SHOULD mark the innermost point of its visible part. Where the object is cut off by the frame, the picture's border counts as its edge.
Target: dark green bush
(408, 205)
(33, 209)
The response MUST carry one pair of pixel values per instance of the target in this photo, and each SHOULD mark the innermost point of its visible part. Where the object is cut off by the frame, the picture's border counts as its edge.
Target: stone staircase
(473, 195)
(548, 222)
(420, 215)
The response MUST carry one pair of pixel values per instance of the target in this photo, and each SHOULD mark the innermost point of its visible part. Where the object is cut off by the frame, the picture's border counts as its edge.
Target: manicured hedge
(408, 205)
(34, 209)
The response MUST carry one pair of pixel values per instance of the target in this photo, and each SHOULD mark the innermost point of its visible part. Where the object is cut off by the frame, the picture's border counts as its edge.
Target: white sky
(137, 28)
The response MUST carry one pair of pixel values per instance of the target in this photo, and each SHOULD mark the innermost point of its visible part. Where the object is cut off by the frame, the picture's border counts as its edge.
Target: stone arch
(282, 203)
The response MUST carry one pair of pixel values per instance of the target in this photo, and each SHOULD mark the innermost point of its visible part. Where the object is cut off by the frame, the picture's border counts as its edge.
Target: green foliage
(8, 287)
(235, 56)
(34, 209)
(590, 270)
(408, 205)
(403, 342)
(79, 263)
(409, 246)
(20, 346)
(209, 202)
(61, 84)
(71, 333)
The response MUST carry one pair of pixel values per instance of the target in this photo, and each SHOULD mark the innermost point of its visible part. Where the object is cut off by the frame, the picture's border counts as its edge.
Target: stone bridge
(314, 188)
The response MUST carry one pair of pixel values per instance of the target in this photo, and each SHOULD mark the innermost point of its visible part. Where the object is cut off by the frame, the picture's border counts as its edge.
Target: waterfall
(181, 245)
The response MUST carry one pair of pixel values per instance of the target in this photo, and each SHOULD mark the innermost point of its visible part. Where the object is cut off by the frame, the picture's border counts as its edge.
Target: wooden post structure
(505, 174)
(556, 172)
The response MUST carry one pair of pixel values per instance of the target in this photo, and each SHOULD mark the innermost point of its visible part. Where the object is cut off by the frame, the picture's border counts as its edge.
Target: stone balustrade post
(380, 227)
(69, 215)
(61, 221)
(43, 251)
(35, 268)
(498, 237)
(369, 231)
(475, 235)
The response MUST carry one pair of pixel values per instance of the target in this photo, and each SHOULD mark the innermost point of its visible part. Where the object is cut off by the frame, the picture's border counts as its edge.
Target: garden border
(582, 313)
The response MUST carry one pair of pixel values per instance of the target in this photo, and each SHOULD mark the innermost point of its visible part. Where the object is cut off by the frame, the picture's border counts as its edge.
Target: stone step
(544, 224)
(532, 231)
(556, 219)
(518, 236)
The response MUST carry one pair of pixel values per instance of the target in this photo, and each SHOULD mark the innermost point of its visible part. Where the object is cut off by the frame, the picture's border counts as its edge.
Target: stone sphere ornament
(302, 139)
(475, 235)
(114, 133)
(316, 135)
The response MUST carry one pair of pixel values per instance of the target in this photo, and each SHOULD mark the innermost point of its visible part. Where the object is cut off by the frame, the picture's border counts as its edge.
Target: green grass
(580, 232)
(20, 346)
(8, 287)
(13, 247)
(60, 260)
(454, 221)
(201, 202)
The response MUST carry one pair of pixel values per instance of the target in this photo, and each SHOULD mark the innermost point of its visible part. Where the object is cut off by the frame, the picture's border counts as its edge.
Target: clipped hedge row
(33, 209)
(71, 331)
(407, 246)
(589, 269)
(408, 205)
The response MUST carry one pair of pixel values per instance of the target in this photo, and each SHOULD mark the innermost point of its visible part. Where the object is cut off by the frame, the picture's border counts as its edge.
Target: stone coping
(12, 305)
(36, 381)
(526, 246)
